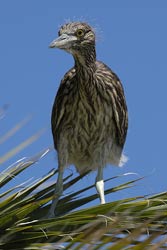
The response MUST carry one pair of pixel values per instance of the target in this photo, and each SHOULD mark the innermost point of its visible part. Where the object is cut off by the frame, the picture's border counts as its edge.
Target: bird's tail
(123, 160)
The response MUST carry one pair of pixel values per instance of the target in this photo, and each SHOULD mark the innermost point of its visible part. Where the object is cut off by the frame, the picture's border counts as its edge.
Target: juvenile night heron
(89, 115)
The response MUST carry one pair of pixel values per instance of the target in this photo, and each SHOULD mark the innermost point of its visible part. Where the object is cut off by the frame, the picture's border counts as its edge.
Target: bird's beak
(63, 41)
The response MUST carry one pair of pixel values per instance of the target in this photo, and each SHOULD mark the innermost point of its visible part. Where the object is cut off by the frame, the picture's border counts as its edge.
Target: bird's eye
(79, 33)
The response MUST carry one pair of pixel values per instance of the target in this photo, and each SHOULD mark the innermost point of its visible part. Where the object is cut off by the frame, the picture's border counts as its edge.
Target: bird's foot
(49, 215)
(100, 190)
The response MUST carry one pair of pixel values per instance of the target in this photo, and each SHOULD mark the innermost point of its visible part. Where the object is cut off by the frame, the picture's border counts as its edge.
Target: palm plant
(132, 223)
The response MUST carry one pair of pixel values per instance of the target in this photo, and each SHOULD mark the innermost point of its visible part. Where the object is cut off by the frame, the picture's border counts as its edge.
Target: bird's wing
(120, 109)
(115, 95)
(58, 108)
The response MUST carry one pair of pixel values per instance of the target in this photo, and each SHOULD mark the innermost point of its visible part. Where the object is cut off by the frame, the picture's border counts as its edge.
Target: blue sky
(131, 39)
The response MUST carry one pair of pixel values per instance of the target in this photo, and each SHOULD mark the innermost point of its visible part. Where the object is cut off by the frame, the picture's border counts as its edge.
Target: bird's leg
(100, 185)
(57, 193)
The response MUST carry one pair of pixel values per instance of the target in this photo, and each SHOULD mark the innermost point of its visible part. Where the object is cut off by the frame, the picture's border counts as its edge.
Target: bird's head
(74, 37)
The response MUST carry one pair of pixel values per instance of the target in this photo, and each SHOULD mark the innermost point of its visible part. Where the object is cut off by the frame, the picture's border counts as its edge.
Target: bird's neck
(85, 62)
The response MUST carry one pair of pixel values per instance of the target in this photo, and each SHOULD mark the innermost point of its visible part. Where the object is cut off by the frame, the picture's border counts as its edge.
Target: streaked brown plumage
(89, 115)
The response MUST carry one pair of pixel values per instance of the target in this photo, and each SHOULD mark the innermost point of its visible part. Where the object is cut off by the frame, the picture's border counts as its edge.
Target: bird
(89, 117)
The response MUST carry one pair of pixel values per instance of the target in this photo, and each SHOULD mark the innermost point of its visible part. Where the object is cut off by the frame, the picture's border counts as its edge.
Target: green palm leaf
(131, 223)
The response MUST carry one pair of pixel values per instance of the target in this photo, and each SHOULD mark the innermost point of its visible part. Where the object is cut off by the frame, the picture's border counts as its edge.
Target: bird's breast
(91, 122)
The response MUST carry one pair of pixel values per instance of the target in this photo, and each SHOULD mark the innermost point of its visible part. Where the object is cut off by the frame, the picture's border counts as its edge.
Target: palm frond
(132, 223)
